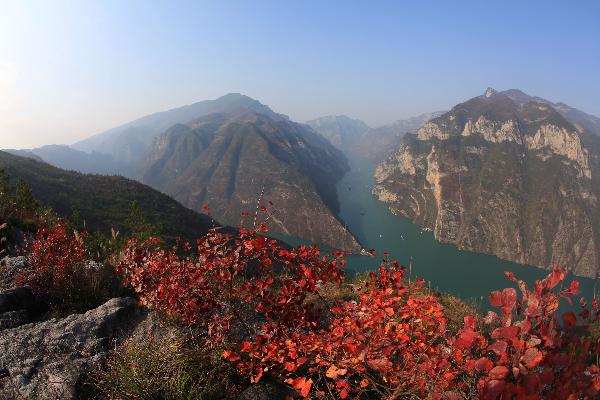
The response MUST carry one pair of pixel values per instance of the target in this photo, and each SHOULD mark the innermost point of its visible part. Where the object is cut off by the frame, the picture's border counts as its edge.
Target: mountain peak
(489, 92)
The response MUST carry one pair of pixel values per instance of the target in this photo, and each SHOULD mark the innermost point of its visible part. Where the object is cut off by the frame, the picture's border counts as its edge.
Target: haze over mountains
(503, 173)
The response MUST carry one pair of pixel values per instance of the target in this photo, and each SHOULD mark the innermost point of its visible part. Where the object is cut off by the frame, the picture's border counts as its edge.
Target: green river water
(465, 274)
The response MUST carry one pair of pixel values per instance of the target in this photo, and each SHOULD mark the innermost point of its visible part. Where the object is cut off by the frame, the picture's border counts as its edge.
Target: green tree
(24, 197)
(138, 222)
(4, 184)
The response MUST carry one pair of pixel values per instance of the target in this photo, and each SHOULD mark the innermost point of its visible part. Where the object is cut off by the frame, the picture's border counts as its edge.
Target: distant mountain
(103, 201)
(502, 174)
(129, 142)
(227, 159)
(585, 123)
(353, 135)
(378, 143)
(68, 158)
(342, 131)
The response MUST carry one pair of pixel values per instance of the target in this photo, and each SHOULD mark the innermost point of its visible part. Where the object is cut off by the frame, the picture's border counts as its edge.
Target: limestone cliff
(497, 176)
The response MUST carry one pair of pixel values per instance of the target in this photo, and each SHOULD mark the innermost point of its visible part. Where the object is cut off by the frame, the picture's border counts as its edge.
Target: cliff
(497, 176)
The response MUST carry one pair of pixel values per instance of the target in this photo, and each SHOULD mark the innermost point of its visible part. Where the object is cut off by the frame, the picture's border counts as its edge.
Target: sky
(70, 69)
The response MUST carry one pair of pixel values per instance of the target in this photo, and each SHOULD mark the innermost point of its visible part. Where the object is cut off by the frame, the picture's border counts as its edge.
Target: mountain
(103, 201)
(68, 158)
(505, 176)
(342, 131)
(227, 159)
(355, 136)
(129, 142)
(585, 123)
(378, 143)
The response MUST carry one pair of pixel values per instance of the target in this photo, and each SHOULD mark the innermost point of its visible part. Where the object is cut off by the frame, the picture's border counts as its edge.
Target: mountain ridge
(495, 175)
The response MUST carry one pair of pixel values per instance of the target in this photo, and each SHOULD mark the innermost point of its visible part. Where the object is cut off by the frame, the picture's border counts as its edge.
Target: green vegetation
(102, 202)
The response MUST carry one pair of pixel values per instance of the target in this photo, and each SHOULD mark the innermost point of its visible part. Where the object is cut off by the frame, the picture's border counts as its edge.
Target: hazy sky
(69, 69)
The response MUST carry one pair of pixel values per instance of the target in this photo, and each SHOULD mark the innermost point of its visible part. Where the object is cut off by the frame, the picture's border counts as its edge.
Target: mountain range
(355, 136)
(503, 173)
(229, 153)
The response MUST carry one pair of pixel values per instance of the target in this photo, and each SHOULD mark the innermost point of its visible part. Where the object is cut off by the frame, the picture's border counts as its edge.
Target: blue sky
(69, 69)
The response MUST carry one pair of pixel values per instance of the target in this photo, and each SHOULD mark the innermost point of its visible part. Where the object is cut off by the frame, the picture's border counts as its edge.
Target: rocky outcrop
(499, 177)
(430, 131)
(268, 390)
(19, 306)
(561, 141)
(48, 360)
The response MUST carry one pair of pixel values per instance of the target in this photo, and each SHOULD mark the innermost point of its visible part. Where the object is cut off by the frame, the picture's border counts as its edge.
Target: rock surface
(268, 390)
(47, 360)
(497, 176)
(19, 306)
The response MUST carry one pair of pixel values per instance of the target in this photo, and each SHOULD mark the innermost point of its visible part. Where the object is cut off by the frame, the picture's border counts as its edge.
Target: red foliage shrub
(257, 302)
(55, 254)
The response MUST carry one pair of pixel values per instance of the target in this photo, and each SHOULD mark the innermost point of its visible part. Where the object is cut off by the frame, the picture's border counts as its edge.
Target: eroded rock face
(431, 130)
(47, 360)
(494, 176)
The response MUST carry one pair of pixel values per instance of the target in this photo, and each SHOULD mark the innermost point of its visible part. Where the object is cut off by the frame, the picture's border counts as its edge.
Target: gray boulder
(48, 360)
(10, 268)
(19, 298)
(12, 319)
(268, 390)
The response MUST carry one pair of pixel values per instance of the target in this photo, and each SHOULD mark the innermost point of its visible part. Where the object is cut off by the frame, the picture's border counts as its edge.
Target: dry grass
(167, 368)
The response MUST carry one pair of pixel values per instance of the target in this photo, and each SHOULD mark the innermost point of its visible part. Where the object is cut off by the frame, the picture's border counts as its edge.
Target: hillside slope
(103, 201)
(227, 159)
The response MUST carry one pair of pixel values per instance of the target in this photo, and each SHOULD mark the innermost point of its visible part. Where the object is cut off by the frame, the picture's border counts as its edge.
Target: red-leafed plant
(55, 254)
(532, 353)
(60, 272)
(262, 305)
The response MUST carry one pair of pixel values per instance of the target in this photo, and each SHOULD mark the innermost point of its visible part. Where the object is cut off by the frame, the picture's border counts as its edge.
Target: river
(468, 275)
(465, 274)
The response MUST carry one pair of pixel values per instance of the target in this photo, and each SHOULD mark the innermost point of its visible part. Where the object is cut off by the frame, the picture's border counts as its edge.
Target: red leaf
(496, 298)
(509, 298)
(231, 356)
(532, 357)
(555, 277)
(499, 372)
(483, 364)
(509, 332)
(498, 347)
(301, 385)
(333, 372)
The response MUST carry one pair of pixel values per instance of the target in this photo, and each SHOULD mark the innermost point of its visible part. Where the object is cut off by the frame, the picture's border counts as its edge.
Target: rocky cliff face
(497, 176)
(227, 160)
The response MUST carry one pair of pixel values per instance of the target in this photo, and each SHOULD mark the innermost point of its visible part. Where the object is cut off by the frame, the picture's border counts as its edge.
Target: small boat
(380, 235)
(402, 237)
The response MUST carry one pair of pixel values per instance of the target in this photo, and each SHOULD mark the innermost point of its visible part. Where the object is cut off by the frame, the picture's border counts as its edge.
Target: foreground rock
(268, 390)
(48, 360)
(19, 306)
